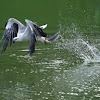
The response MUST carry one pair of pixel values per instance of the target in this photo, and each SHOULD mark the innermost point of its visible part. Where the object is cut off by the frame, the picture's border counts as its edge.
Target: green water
(69, 68)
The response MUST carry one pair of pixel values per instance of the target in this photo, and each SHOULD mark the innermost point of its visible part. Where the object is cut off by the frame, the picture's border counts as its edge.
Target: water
(69, 68)
(84, 50)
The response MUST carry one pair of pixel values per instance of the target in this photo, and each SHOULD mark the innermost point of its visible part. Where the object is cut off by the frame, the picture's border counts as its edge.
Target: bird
(15, 31)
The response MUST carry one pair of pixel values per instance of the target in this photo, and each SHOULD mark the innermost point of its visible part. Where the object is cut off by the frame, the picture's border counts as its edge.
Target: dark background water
(82, 13)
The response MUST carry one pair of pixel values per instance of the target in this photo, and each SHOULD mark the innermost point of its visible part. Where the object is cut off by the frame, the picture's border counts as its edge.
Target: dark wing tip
(40, 31)
(32, 45)
(4, 45)
(8, 36)
(6, 23)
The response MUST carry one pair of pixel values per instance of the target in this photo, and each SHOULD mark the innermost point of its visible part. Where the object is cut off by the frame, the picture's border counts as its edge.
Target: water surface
(69, 68)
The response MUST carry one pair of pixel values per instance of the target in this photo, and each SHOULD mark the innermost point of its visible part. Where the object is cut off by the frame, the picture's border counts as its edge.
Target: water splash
(76, 44)
(87, 51)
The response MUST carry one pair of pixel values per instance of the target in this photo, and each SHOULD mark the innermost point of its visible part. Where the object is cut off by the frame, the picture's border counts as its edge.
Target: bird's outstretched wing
(9, 34)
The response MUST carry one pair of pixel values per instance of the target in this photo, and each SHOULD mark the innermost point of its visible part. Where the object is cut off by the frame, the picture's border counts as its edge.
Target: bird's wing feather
(39, 31)
(9, 34)
(32, 44)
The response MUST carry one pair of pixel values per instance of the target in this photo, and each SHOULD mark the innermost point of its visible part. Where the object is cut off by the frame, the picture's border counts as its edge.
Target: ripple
(53, 63)
(12, 55)
(20, 91)
(98, 95)
(75, 94)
